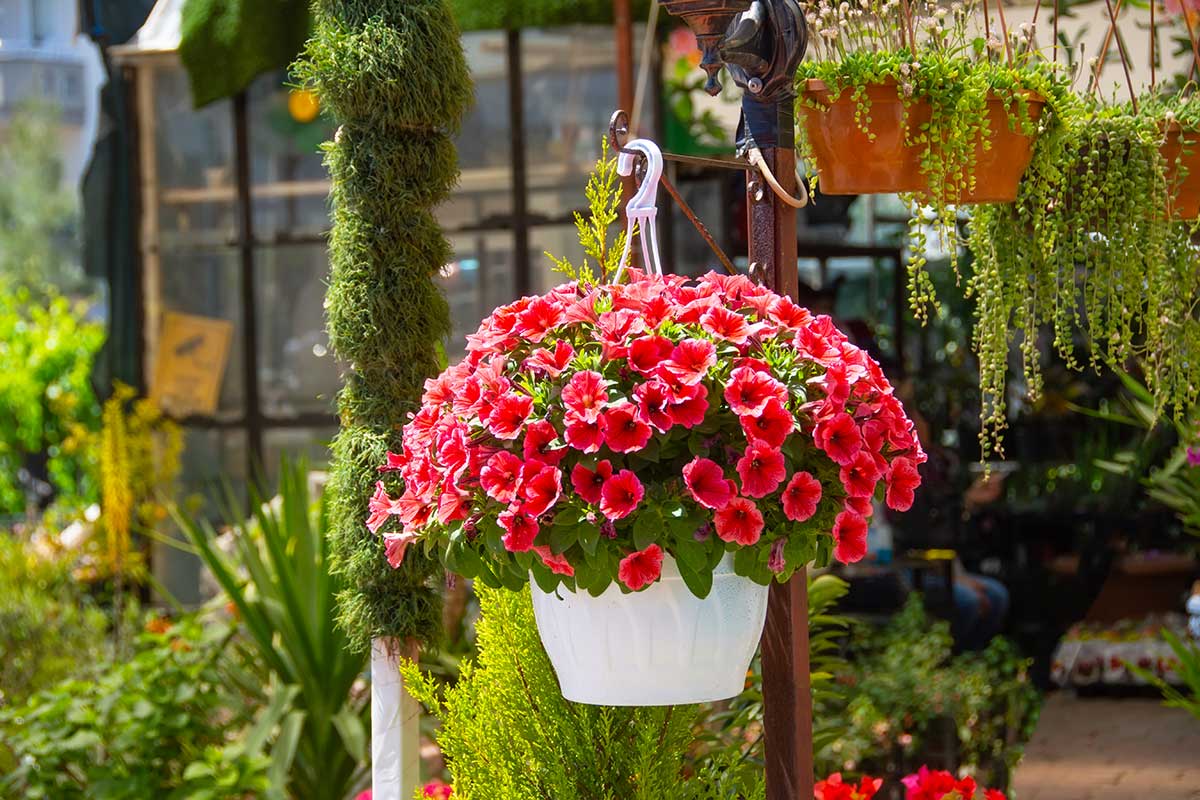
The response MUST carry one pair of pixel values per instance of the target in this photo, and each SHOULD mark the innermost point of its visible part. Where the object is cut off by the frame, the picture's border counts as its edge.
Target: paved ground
(1100, 749)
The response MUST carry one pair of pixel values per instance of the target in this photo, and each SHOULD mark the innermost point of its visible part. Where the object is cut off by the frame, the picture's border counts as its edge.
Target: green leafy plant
(139, 729)
(49, 400)
(507, 732)
(278, 577)
(49, 630)
(905, 677)
(1187, 656)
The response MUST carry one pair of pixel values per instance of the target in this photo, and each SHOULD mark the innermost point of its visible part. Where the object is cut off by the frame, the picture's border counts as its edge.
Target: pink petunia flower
(903, 480)
(739, 521)
(509, 413)
(725, 324)
(707, 483)
(653, 399)
(557, 563)
(801, 497)
(520, 529)
(647, 353)
(749, 391)
(691, 360)
(839, 437)
(501, 477)
(860, 476)
(395, 545)
(585, 395)
(621, 495)
(587, 437)
(641, 568)
(541, 486)
(539, 436)
(761, 469)
(381, 508)
(850, 537)
(771, 426)
(551, 363)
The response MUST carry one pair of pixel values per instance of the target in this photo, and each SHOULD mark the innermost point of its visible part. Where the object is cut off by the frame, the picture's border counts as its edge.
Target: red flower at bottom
(850, 533)
(557, 563)
(833, 788)
(641, 568)
(437, 790)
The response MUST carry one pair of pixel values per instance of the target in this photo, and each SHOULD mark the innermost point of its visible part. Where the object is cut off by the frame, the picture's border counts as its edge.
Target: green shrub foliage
(393, 74)
(508, 734)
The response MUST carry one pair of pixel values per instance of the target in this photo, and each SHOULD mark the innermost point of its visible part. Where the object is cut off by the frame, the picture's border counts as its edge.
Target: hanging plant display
(1094, 243)
(652, 454)
(906, 97)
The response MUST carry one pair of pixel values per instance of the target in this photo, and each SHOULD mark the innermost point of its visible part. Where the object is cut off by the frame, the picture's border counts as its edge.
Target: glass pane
(297, 372)
(570, 90)
(479, 279)
(205, 282)
(309, 444)
(484, 192)
(288, 177)
(561, 241)
(693, 256)
(195, 161)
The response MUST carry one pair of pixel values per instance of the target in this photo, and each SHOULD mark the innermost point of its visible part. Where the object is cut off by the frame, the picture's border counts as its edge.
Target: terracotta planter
(851, 162)
(1182, 149)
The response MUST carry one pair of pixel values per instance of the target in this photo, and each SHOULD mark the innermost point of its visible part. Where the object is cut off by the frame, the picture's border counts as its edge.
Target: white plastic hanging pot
(660, 646)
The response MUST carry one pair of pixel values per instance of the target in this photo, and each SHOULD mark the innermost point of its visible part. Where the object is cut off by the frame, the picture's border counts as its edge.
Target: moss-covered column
(393, 74)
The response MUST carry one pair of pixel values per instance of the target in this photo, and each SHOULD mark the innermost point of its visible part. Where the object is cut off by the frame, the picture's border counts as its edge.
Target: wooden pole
(787, 694)
(623, 30)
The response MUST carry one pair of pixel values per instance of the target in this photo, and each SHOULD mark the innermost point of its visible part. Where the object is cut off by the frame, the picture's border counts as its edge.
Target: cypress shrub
(393, 74)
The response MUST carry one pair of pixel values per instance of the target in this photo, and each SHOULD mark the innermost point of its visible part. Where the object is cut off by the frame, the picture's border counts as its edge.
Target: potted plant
(904, 98)
(650, 455)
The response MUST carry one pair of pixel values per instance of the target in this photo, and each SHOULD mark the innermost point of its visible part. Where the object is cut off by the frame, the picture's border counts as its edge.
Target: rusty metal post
(787, 691)
(623, 28)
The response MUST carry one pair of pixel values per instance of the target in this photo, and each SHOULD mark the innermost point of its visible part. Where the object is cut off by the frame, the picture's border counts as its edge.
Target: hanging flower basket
(1181, 155)
(651, 455)
(878, 151)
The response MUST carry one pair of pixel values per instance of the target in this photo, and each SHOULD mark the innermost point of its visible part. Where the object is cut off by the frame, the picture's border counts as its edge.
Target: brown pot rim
(817, 86)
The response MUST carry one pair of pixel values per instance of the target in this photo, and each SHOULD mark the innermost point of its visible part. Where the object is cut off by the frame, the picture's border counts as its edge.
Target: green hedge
(475, 15)
(393, 74)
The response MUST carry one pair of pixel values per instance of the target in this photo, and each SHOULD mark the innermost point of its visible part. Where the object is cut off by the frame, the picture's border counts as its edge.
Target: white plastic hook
(642, 209)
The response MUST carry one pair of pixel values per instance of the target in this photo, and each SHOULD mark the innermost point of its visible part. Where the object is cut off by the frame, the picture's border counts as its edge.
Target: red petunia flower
(615, 328)
(538, 318)
(903, 480)
(749, 391)
(557, 563)
(647, 353)
(859, 505)
(552, 363)
(739, 521)
(707, 483)
(395, 461)
(521, 529)
(584, 436)
(539, 435)
(621, 495)
(453, 505)
(801, 497)
(653, 398)
(689, 408)
(785, 312)
(624, 429)
(588, 483)
(761, 469)
(435, 790)
(994, 794)
(691, 360)
(641, 568)
(839, 437)
(508, 415)
(541, 486)
(725, 324)
(860, 476)
(833, 788)
(585, 395)
(850, 535)
(501, 477)
(772, 426)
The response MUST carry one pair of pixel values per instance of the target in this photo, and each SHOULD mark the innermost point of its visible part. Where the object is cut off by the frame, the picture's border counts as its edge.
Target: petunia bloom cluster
(591, 432)
(925, 784)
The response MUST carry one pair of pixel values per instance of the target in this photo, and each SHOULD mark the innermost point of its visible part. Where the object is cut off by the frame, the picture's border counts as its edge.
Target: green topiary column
(393, 74)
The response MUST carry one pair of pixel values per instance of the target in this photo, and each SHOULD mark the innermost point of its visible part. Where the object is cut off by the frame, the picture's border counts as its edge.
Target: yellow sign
(192, 354)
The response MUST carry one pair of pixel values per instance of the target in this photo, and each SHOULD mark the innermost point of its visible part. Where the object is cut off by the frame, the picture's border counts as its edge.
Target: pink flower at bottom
(641, 568)
(438, 790)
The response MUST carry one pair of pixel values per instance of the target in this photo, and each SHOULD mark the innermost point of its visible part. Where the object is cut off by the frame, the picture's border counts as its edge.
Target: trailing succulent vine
(1090, 246)
(393, 74)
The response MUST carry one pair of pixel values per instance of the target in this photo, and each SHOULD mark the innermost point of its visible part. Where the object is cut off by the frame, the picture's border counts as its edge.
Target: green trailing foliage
(1088, 247)
(393, 75)
(475, 15)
